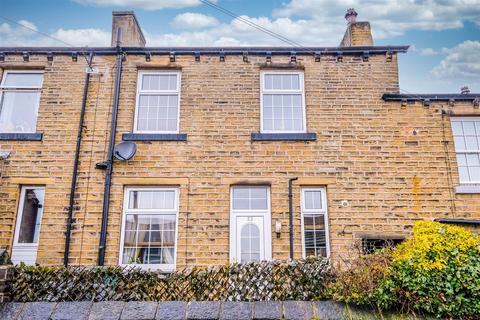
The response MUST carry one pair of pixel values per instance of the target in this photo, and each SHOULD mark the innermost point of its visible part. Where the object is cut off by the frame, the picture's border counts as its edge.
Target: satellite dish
(125, 151)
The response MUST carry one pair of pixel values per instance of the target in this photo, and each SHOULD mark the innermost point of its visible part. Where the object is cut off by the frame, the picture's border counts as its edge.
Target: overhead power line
(277, 35)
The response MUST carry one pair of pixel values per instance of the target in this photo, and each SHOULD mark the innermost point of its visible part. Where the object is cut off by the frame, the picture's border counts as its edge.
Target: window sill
(154, 137)
(467, 188)
(22, 136)
(256, 136)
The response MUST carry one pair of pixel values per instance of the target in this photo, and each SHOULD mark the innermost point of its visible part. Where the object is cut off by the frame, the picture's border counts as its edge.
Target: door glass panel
(31, 216)
(249, 243)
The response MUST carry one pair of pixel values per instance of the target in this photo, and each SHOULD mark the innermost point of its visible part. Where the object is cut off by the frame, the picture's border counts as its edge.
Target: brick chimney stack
(131, 34)
(358, 34)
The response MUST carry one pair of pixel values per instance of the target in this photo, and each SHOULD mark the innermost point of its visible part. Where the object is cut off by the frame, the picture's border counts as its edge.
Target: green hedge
(276, 280)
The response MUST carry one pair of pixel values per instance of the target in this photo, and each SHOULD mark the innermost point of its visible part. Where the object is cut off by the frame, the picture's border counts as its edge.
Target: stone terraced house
(242, 154)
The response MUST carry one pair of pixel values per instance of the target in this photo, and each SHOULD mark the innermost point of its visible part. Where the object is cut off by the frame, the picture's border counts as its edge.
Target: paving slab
(236, 311)
(37, 311)
(139, 310)
(203, 310)
(298, 310)
(106, 310)
(171, 310)
(11, 310)
(267, 310)
(77, 310)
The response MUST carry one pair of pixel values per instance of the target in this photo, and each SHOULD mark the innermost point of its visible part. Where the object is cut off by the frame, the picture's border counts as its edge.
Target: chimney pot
(358, 34)
(465, 90)
(351, 15)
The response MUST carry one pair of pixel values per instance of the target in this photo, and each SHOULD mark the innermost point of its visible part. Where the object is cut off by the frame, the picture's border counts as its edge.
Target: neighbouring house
(242, 153)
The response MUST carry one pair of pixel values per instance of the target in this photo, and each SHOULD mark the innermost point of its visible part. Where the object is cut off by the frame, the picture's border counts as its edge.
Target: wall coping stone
(178, 310)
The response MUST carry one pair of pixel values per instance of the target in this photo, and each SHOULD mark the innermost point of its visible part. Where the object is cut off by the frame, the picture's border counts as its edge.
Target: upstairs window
(19, 101)
(283, 102)
(158, 99)
(466, 135)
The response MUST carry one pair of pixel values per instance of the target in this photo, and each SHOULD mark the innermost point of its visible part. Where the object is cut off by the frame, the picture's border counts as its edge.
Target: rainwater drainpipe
(290, 213)
(75, 163)
(108, 164)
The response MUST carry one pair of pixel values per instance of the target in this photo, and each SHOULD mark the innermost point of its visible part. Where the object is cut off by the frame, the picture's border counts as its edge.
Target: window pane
(19, 111)
(249, 243)
(254, 198)
(157, 113)
(468, 128)
(474, 172)
(457, 128)
(31, 216)
(285, 112)
(282, 82)
(23, 80)
(459, 143)
(313, 200)
(152, 240)
(463, 173)
(159, 82)
(149, 199)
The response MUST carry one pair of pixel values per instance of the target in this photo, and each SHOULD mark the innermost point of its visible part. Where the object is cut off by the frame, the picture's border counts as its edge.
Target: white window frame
(301, 91)
(23, 249)
(266, 213)
(38, 89)
(157, 92)
(323, 210)
(464, 151)
(126, 210)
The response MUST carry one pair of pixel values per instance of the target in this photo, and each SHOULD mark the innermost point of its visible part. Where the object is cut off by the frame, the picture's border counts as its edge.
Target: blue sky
(444, 34)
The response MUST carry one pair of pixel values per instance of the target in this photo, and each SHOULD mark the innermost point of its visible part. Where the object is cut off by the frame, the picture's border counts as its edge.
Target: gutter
(75, 164)
(108, 164)
(258, 51)
(458, 221)
(290, 214)
(431, 97)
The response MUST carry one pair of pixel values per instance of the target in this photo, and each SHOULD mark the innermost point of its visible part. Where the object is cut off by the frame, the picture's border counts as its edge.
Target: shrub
(358, 283)
(437, 271)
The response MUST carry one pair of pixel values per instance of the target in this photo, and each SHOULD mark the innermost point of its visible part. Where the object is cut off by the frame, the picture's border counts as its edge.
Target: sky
(444, 35)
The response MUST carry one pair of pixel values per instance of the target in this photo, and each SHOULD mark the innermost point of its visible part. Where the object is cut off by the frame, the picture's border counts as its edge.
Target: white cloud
(461, 62)
(15, 35)
(143, 4)
(190, 20)
(428, 52)
(389, 18)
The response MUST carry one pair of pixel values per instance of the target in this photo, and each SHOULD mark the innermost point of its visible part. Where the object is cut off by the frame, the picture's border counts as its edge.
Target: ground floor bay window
(149, 228)
(314, 222)
(250, 224)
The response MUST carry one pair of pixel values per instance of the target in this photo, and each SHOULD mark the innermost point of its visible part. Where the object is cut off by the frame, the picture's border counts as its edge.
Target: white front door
(250, 224)
(27, 229)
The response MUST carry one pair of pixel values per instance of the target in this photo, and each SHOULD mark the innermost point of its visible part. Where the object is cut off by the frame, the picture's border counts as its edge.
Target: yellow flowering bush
(434, 244)
(436, 271)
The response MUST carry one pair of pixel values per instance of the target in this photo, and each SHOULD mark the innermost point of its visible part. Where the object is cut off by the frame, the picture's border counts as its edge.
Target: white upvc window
(27, 229)
(158, 102)
(250, 224)
(282, 102)
(150, 228)
(315, 237)
(466, 135)
(19, 100)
